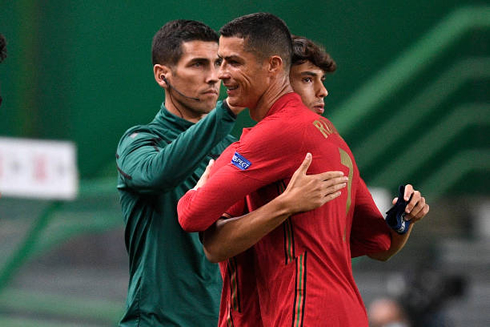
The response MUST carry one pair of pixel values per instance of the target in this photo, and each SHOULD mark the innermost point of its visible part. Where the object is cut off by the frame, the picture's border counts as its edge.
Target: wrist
(284, 206)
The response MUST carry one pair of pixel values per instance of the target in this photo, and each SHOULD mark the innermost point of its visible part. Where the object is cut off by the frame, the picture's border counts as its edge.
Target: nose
(223, 71)
(213, 76)
(321, 91)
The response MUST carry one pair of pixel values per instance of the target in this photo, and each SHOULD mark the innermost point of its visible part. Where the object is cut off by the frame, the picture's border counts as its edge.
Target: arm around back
(229, 237)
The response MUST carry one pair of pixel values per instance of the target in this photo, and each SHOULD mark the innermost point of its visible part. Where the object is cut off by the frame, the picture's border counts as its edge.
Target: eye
(308, 80)
(197, 64)
(218, 62)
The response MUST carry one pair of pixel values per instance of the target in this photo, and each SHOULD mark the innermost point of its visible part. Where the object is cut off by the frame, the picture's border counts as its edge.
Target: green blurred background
(410, 95)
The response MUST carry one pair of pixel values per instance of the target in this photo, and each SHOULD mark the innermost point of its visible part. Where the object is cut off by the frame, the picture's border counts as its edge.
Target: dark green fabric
(171, 281)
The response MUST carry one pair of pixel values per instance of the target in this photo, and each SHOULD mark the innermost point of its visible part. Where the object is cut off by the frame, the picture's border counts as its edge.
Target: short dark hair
(166, 48)
(264, 34)
(306, 50)
(3, 48)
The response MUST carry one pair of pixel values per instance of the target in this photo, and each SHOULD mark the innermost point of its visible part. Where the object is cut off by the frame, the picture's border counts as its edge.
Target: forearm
(229, 237)
(398, 242)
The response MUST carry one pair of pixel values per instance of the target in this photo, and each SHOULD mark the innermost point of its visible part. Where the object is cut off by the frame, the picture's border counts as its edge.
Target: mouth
(211, 92)
(230, 87)
(319, 108)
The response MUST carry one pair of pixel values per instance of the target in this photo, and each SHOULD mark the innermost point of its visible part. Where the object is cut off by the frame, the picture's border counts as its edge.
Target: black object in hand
(395, 217)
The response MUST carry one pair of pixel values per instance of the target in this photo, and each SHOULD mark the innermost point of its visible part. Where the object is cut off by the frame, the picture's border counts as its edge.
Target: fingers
(419, 211)
(330, 174)
(235, 110)
(205, 176)
(417, 208)
(331, 196)
(305, 164)
(334, 190)
(330, 181)
(413, 196)
(208, 167)
(331, 188)
(408, 192)
(303, 168)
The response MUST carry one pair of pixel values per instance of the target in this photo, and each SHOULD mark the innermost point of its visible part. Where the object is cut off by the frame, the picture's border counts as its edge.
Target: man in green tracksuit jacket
(171, 282)
(167, 265)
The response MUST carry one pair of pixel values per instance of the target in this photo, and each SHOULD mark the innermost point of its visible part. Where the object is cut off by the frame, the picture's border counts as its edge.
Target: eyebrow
(310, 73)
(198, 59)
(232, 57)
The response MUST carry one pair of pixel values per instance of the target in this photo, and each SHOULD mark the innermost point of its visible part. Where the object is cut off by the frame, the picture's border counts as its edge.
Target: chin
(235, 102)
(208, 106)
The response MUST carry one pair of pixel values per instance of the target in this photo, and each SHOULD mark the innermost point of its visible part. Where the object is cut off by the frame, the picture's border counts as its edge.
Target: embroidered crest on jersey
(240, 161)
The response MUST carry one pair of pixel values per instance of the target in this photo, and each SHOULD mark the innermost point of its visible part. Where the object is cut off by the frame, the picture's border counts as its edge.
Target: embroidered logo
(240, 161)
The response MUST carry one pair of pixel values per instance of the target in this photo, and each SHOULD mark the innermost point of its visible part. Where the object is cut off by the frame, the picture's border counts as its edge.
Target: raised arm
(147, 163)
(229, 237)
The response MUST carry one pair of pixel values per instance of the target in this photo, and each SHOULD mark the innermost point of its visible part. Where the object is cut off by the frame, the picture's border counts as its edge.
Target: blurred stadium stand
(411, 96)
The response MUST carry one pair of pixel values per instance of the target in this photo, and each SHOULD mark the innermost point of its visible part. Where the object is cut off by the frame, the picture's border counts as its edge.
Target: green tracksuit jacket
(171, 282)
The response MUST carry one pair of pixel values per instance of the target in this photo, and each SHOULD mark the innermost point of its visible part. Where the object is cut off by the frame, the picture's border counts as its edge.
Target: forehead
(232, 47)
(307, 68)
(199, 49)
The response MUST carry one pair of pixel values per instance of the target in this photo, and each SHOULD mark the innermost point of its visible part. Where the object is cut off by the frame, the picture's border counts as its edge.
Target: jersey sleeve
(369, 234)
(148, 164)
(259, 160)
(236, 210)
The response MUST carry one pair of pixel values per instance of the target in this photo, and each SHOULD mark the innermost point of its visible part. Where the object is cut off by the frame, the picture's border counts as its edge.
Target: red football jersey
(302, 269)
(239, 297)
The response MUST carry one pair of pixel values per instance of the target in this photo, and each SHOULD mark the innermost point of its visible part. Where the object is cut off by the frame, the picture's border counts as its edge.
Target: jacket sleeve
(146, 164)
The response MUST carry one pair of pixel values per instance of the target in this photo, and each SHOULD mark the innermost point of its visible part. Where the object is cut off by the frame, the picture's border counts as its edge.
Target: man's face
(307, 80)
(242, 73)
(196, 76)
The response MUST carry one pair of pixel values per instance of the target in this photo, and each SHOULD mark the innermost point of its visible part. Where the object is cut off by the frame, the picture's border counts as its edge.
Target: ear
(276, 64)
(158, 72)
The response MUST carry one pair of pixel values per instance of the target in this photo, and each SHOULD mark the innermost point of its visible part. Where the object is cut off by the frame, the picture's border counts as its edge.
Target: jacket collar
(170, 119)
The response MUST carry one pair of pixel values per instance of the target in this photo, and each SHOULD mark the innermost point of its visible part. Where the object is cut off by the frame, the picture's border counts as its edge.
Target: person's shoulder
(135, 134)
(135, 130)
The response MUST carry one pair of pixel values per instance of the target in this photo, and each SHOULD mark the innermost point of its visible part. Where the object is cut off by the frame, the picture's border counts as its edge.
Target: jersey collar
(286, 100)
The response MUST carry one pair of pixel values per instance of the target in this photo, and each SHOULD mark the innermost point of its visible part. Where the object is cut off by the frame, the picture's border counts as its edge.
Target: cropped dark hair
(265, 35)
(306, 50)
(166, 48)
(3, 48)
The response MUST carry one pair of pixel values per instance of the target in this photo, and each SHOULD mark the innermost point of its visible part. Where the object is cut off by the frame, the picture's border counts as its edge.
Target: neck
(277, 89)
(182, 111)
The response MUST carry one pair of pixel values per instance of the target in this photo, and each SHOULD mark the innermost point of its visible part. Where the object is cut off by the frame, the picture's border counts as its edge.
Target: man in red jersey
(302, 268)
(223, 241)
(310, 64)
